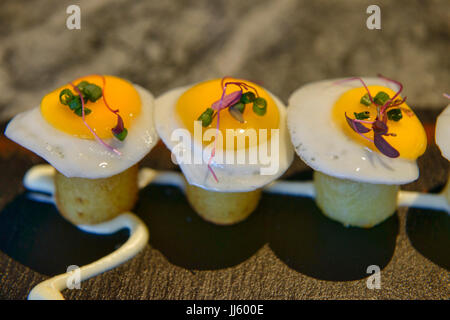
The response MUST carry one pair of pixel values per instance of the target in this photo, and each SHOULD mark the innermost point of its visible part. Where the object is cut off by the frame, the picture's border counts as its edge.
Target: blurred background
(282, 44)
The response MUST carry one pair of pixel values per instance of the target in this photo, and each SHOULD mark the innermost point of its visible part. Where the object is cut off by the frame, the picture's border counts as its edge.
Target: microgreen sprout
(235, 102)
(260, 106)
(380, 98)
(365, 100)
(87, 91)
(379, 126)
(206, 117)
(87, 125)
(362, 115)
(395, 114)
(248, 97)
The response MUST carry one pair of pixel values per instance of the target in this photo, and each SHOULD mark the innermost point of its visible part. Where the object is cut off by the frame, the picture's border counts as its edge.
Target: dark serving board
(286, 250)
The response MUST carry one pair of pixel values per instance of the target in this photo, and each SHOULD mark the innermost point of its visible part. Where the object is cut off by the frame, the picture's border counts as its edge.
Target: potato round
(91, 201)
(223, 208)
(354, 203)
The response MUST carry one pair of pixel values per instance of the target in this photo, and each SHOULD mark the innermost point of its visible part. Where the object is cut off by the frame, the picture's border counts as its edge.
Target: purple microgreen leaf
(227, 100)
(356, 126)
(384, 147)
(379, 127)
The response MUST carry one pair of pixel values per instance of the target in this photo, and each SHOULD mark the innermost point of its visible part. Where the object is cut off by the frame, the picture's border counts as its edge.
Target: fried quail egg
(443, 132)
(324, 140)
(176, 113)
(57, 134)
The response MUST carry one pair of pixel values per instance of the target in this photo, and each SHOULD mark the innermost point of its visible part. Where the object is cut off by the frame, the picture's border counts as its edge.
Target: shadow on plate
(429, 233)
(303, 238)
(187, 240)
(36, 235)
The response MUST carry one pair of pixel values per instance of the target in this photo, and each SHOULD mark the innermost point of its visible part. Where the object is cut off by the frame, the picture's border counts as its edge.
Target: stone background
(163, 44)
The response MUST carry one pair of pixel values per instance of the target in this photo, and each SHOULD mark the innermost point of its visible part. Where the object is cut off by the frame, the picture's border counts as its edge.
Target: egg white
(325, 147)
(232, 177)
(83, 158)
(443, 132)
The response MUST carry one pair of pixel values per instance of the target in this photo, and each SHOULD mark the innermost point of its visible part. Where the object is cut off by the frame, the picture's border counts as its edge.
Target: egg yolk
(119, 93)
(410, 138)
(197, 99)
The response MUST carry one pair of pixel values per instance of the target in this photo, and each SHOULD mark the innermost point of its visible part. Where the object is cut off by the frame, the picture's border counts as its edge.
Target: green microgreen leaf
(365, 100)
(206, 117)
(65, 96)
(248, 97)
(89, 92)
(121, 136)
(92, 92)
(79, 111)
(381, 98)
(362, 115)
(82, 85)
(239, 107)
(260, 106)
(395, 114)
(236, 113)
(75, 103)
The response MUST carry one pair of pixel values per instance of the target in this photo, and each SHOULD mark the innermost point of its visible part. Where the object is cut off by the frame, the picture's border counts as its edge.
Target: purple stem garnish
(397, 103)
(360, 80)
(119, 125)
(241, 85)
(400, 88)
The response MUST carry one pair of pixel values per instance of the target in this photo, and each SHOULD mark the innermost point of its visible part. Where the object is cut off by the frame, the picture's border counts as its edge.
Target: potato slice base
(91, 201)
(223, 208)
(354, 203)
